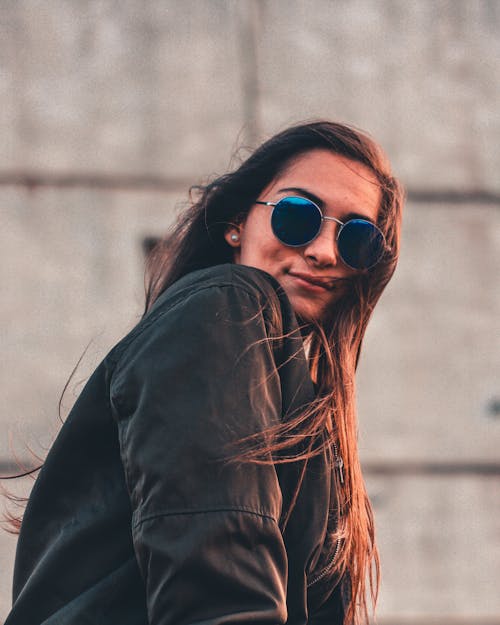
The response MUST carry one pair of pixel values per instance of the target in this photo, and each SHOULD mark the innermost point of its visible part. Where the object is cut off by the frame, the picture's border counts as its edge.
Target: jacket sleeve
(205, 532)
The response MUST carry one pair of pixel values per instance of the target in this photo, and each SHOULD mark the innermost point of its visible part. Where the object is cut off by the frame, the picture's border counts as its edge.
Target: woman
(208, 472)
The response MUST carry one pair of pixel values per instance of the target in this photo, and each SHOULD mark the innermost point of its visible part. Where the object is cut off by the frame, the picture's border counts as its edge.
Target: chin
(307, 313)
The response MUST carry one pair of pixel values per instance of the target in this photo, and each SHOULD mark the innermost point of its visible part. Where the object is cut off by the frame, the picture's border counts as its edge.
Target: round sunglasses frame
(385, 247)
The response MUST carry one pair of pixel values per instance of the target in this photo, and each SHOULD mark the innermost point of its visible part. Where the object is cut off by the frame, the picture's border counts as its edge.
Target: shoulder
(222, 281)
(229, 287)
(222, 292)
(223, 300)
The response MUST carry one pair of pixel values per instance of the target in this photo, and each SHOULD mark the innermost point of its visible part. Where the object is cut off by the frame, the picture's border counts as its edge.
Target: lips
(325, 283)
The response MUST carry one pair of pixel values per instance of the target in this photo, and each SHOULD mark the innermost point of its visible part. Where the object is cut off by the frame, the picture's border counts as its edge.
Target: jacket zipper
(327, 568)
(339, 465)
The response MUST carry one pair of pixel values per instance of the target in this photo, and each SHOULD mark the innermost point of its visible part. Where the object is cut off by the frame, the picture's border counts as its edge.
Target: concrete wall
(109, 110)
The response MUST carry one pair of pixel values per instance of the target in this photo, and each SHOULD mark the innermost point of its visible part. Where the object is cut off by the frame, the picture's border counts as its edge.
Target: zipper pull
(340, 467)
(339, 462)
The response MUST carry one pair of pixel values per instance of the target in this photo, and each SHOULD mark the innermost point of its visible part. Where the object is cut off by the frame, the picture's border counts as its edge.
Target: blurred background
(110, 110)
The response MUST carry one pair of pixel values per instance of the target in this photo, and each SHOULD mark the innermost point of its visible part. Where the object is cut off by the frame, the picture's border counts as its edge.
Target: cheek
(263, 252)
(258, 242)
(268, 250)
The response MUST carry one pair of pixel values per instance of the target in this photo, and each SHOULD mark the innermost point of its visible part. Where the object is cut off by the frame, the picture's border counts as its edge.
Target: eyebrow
(314, 198)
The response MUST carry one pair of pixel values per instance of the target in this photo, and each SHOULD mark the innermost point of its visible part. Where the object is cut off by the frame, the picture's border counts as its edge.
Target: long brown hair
(330, 425)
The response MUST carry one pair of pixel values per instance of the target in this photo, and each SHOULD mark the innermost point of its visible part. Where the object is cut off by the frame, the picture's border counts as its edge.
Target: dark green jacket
(135, 516)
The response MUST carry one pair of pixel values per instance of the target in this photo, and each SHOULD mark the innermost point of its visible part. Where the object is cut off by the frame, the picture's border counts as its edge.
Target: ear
(233, 235)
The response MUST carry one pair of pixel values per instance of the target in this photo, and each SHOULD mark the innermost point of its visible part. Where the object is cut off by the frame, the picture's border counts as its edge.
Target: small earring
(235, 237)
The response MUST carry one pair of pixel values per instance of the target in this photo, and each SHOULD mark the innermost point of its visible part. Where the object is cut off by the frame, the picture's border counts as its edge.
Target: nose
(322, 251)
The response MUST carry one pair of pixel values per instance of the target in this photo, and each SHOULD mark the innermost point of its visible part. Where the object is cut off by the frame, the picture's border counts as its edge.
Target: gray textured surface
(166, 87)
(431, 358)
(7, 550)
(435, 559)
(171, 89)
(120, 86)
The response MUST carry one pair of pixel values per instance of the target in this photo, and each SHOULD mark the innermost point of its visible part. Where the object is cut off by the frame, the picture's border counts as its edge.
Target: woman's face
(343, 189)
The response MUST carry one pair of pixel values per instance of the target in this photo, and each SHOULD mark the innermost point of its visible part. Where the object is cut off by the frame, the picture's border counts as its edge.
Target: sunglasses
(296, 221)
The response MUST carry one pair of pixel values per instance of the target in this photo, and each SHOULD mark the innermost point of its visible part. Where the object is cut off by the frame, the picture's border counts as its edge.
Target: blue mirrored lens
(361, 244)
(295, 221)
